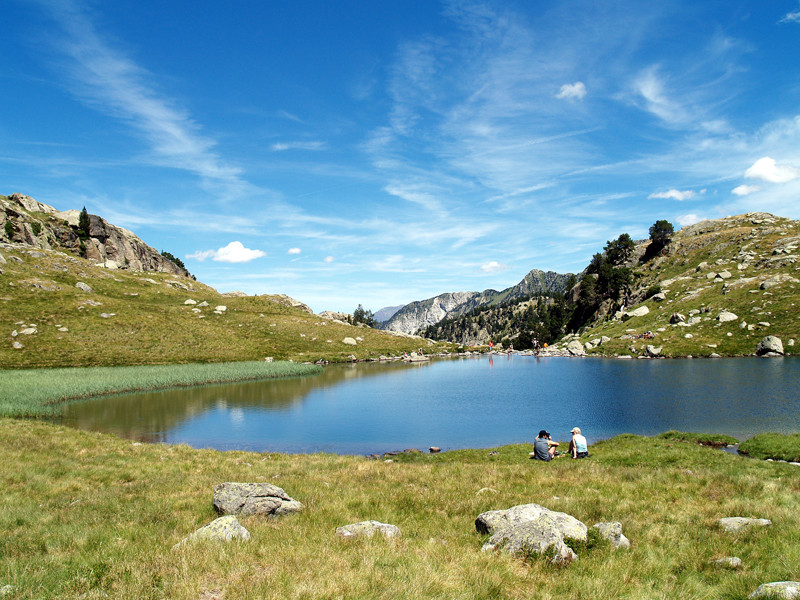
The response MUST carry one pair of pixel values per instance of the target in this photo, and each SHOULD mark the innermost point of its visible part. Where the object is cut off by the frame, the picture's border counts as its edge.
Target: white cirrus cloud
(493, 267)
(745, 190)
(674, 195)
(235, 252)
(294, 251)
(329, 259)
(792, 17)
(309, 145)
(572, 91)
(767, 169)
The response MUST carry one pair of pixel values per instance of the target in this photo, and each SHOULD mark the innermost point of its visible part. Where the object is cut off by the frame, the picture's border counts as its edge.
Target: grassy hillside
(88, 515)
(748, 265)
(140, 318)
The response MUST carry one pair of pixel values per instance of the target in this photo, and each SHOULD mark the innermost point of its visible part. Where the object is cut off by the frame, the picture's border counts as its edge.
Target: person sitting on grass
(577, 445)
(544, 448)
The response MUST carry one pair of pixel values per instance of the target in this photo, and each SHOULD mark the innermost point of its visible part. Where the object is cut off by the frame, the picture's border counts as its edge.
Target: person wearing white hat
(578, 447)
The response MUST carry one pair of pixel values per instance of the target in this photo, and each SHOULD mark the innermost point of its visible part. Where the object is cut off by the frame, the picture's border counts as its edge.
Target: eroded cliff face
(39, 225)
(416, 316)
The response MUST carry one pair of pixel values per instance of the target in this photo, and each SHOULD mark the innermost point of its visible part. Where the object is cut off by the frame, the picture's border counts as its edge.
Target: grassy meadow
(135, 318)
(39, 392)
(88, 515)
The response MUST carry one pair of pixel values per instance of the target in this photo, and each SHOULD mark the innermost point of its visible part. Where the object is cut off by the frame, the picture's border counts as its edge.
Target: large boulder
(726, 316)
(253, 499)
(778, 589)
(771, 345)
(575, 348)
(531, 528)
(636, 312)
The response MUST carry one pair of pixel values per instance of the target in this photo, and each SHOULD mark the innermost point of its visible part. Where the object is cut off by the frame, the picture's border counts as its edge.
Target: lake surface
(460, 403)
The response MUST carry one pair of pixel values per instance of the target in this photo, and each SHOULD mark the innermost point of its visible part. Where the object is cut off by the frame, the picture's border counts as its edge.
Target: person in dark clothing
(544, 448)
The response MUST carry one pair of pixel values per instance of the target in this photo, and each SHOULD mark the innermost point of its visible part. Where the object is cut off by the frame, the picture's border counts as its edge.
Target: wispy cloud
(791, 17)
(103, 77)
(235, 252)
(572, 91)
(294, 251)
(674, 195)
(307, 145)
(493, 267)
(745, 190)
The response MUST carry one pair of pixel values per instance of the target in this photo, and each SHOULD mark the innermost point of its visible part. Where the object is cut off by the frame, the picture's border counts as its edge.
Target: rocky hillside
(719, 288)
(419, 315)
(26, 222)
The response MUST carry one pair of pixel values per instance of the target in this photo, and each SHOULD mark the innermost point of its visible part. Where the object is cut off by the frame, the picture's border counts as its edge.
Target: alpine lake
(470, 402)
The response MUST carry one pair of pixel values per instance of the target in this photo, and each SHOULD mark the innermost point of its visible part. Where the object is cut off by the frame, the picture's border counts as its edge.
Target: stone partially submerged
(531, 529)
(770, 346)
(253, 499)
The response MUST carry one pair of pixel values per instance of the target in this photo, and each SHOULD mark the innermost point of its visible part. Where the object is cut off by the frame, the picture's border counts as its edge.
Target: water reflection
(478, 402)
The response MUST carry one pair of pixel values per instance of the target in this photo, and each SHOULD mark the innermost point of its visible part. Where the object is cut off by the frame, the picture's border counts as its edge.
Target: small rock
(676, 318)
(17, 346)
(349, 341)
(486, 490)
(637, 312)
(778, 589)
(28, 331)
(725, 317)
(653, 351)
(203, 304)
(368, 529)
(222, 529)
(221, 308)
(63, 329)
(613, 533)
(729, 562)
(735, 524)
(660, 297)
(190, 302)
(688, 336)
(84, 287)
(763, 323)
(434, 449)
(107, 315)
(724, 275)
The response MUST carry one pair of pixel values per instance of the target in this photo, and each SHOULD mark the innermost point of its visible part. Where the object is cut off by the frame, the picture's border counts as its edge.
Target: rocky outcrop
(289, 301)
(253, 499)
(40, 225)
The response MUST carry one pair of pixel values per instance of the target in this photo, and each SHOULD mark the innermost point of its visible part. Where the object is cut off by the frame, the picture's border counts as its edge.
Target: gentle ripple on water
(476, 402)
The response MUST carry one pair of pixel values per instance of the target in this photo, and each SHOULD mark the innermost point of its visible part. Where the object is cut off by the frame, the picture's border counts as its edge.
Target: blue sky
(383, 152)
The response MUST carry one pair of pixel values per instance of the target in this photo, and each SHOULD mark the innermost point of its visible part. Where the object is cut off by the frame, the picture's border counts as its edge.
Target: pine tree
(84, 224)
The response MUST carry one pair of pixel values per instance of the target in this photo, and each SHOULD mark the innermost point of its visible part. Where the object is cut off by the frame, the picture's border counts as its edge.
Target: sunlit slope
(747, 265)
(134, 318)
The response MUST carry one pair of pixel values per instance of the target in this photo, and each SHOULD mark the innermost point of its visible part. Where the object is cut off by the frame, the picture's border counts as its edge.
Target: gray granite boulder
(613, 533)
(368, 529)
(636, 312)
(253, 499)
(677, 318)
(84, 287)
(736, 524)
(726, 316)
(778, 589)
(653, 351)
(575, 348)
(222, 529)
(771, 345)
(531, 528)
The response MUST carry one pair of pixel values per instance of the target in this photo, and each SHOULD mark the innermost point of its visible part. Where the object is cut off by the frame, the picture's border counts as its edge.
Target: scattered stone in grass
(107, 315)
(726, 316)
(728, 562)
(221, 308)
(368, 529)
(63, 329)
(763, 324)
(736, 524)
(778, 589)
(253, 499)
(612, 532)
(84, 287)
(28, 331)
(222, 529)
(190, 302)
(6, 590)
(349, 341)
(203, 304)
(487, 490)
(688, 336)
(17, 346)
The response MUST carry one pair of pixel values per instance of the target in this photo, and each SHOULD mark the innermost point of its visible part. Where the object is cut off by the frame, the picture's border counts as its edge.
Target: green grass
(150, 323)
(88, 515)
(776, 446)
(705, 439)
(38, 392)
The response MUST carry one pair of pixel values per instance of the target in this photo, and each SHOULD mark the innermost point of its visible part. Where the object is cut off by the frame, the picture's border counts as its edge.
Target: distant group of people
(544, 448)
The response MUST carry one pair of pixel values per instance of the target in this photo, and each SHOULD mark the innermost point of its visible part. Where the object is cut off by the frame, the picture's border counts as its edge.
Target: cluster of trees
(608, 279)
(360, 315)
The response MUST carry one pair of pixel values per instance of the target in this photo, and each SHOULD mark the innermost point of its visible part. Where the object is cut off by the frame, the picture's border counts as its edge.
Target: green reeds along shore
(90, 515)
(38, 392)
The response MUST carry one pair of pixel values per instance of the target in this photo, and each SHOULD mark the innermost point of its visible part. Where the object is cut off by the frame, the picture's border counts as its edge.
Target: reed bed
(39, 392)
